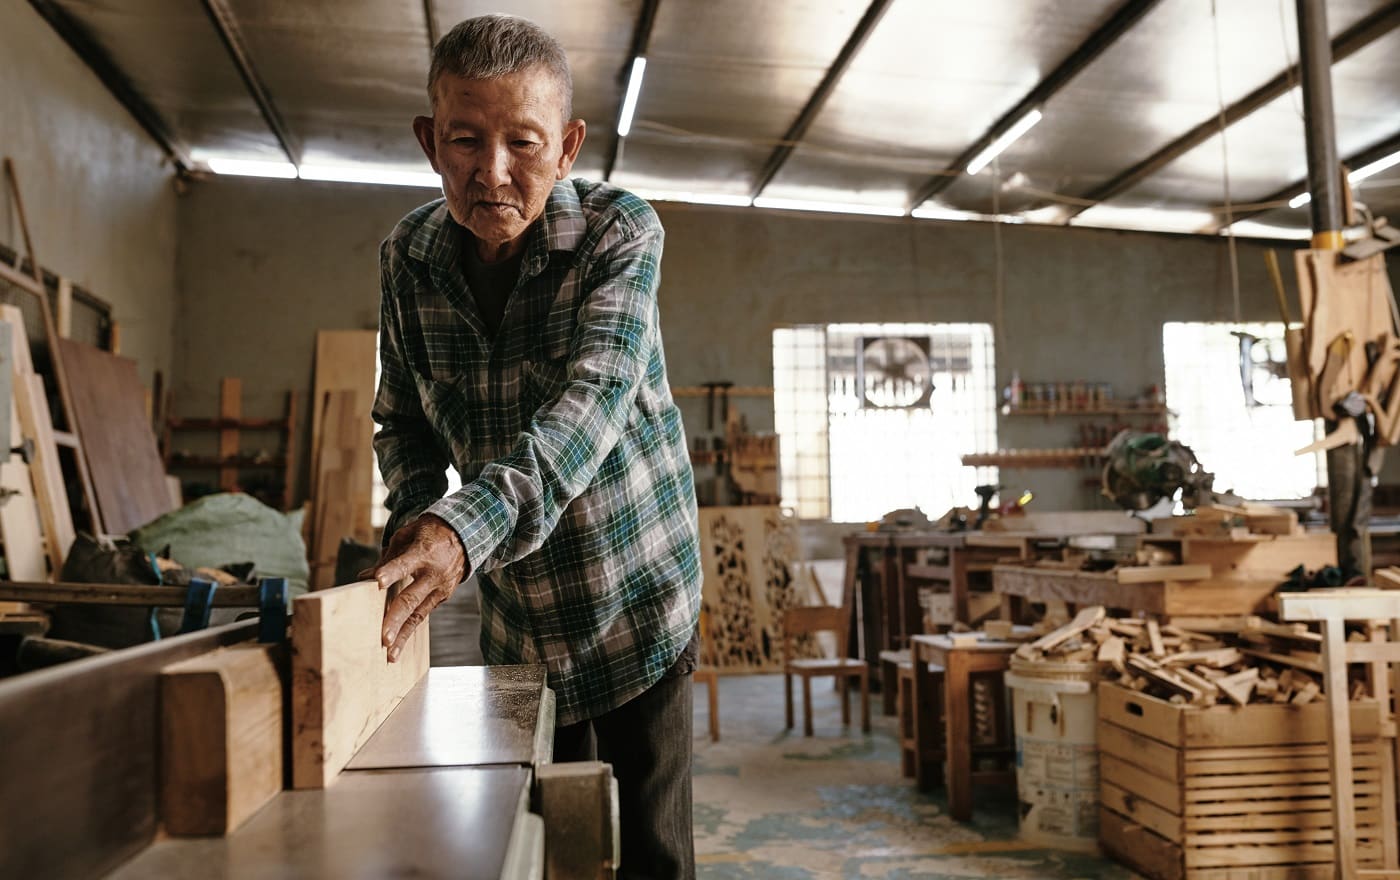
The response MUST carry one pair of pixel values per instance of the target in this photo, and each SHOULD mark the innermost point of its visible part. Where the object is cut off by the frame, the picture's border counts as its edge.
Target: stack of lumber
(1225, 521)
(1261, 662)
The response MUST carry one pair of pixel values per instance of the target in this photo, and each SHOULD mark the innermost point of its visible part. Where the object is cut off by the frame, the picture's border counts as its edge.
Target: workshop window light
(249, 167)
(828, 207)
(1008, 137)
(370, 174)
(634, 92)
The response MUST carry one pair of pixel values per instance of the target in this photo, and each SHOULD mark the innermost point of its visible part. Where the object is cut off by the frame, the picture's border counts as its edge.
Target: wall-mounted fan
(893, 371)
(1264, 371)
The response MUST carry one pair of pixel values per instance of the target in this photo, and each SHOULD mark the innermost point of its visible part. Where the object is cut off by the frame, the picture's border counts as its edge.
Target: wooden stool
(931, 719)
(890, 661)
(709, 676)
(963, 744)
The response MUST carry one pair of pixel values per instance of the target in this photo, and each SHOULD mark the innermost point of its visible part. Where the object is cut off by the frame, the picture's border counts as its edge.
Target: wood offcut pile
(1232, 661)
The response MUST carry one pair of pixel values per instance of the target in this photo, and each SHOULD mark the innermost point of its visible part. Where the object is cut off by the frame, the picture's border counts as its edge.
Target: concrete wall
(100, 201)
(264, 264)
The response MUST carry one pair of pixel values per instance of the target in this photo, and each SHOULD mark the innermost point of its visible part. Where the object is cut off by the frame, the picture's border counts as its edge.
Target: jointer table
(442, 789)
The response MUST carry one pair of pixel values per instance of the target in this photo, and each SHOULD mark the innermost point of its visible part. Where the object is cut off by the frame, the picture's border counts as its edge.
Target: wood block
(1146, 574)
(222, 754)
(578, 802)
(343, 685)
(1083, 620)
(346, 361)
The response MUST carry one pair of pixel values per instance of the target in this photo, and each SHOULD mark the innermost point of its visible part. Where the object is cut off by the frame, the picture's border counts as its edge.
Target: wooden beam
(221, 737)
(120, 594)
(343, 686)
(231, 35)
(1147, 574)
(1347, 603)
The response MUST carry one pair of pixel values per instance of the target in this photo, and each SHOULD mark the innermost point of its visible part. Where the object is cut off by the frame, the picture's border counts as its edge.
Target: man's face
(499, 144)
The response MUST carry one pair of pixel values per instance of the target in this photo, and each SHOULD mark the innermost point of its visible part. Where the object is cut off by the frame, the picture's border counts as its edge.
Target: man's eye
(464, 141)
(522, 144)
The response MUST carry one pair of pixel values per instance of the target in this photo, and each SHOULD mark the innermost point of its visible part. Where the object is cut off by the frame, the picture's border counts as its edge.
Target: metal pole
(1350, 467)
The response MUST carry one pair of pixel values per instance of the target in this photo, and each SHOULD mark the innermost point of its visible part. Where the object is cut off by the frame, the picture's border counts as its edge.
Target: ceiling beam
(431, 19)
(1122, 20)
(798, 130)
(1349, 42)
(100, 63)
(1378, 150)
(227, 27)
(641, 38)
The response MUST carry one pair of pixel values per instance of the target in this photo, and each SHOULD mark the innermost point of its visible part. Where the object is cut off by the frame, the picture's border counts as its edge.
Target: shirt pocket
(542, 382)
(446, 403)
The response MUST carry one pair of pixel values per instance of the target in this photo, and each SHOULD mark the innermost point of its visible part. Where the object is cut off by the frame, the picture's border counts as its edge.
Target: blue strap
(199, 601)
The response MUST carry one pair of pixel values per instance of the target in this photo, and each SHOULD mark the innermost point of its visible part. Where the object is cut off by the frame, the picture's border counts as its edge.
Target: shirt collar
(438, 241)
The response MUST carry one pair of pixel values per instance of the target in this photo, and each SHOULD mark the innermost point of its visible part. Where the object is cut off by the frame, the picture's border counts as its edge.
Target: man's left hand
(427, 555)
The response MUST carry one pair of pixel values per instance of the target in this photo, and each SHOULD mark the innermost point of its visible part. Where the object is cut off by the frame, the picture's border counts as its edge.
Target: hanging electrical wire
(1225, 163)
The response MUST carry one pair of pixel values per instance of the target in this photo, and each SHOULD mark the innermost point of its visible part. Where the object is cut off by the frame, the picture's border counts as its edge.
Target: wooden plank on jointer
(343, 686)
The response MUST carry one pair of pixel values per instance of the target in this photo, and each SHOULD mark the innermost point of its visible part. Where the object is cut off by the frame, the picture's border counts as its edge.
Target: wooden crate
(1228, 792)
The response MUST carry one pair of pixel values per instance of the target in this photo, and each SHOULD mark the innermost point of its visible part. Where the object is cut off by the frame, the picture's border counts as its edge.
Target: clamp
(272, 610)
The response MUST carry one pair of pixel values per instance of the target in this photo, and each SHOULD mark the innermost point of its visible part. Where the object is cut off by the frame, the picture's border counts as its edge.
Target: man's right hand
(427, 557)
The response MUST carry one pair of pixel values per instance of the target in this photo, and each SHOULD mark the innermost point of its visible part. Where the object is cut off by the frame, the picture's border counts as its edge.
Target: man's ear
(574, 131)
(423, 130)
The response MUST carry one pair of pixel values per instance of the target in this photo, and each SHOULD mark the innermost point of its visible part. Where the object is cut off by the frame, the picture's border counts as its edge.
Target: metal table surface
(466, 716)
(467, 822)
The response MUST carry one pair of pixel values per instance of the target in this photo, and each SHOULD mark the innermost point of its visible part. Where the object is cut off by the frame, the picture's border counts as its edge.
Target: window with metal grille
(877, 417)
(1247, 442)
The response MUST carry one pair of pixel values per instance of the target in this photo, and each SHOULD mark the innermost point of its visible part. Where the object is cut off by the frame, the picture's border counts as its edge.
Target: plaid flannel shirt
(577, 506)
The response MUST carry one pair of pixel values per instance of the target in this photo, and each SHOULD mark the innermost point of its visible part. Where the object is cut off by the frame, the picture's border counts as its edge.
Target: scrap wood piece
(1082, 621)
(1154, 638)
(1113, 651)
(1164, 677)
(1221, 624)
(1388, 578)
(1309, 692)
(1149, 574)
(221, 737)
(1240, 686)
(1218, 658)
(343, 686)
(1285, 660)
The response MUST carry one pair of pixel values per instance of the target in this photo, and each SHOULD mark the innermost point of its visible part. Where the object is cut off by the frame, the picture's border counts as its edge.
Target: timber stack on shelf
(231, 463)
(1049, 400)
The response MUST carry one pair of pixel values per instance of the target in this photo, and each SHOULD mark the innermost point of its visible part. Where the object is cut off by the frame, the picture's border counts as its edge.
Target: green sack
(216, 530)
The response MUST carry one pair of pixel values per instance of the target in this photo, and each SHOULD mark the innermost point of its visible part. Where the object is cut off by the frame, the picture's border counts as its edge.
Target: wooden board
(466, 716)
(19, 524)
(341, 480)
(36, 423)
(1146, 574)
(222, 737)
(347, 360)
(471, 823)
(343, 686)
(1069, 522)
(80, 757)
(109, 406)
(231, 408)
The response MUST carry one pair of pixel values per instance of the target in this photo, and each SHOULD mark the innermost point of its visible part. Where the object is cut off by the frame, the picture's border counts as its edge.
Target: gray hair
(491, 46)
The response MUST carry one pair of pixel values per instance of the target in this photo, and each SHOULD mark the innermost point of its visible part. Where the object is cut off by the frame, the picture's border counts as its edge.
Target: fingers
(414, 620)
(402, 606)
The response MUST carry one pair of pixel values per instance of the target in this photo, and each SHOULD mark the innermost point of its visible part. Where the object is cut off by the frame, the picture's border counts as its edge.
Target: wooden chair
(808, 621)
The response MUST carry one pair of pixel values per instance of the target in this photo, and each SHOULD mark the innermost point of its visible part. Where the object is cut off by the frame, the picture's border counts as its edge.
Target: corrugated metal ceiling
(727, 78)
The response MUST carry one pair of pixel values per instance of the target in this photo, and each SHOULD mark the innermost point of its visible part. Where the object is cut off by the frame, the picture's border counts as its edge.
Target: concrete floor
(778, 806)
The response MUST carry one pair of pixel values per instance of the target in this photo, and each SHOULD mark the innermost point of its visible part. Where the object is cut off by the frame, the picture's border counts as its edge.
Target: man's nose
(493, 166)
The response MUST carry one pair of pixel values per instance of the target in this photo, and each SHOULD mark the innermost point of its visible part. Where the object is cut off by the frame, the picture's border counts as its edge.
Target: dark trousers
(647, 741)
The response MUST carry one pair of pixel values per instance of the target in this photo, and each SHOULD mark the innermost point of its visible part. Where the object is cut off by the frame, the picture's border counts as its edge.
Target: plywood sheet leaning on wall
(340, 503)
(36, 423)
(343, 686)
(749, 558)
(222, 732)
(109, 405)
(346, 360)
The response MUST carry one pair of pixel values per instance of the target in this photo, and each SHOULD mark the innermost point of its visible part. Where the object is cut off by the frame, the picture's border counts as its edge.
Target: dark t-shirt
(491, 284)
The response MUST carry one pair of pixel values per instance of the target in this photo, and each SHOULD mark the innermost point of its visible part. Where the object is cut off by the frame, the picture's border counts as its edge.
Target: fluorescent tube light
(938, 212)
(728, 200)
(250, 167)
(829, 207)
(371, 174)
(1008, 137)
(1375, 167)
(1300, 200)
(1146, 219)
(634, 91)
(1256, 229)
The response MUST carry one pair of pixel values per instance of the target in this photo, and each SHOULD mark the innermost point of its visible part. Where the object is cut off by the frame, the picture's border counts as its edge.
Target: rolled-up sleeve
(413, 465)
(515, 503)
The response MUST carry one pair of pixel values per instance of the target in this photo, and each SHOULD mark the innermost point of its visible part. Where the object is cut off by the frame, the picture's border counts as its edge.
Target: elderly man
(520, 343)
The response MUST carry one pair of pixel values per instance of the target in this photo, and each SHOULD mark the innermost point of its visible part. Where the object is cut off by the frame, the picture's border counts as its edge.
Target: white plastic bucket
(1055, 708)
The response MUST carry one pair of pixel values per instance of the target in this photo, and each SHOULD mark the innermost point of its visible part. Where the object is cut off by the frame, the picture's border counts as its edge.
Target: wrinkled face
(500, 144)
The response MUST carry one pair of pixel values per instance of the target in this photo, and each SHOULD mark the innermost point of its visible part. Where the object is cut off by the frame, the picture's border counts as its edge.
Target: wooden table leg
(806, 706)
(921, 689)
(957, 720)
(957, 584)
(889, 687)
